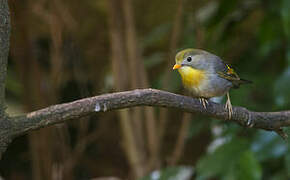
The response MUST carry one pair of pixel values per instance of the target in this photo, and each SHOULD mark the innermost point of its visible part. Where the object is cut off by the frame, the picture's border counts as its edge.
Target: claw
(249, 122)
(204, 102)
(228, 106)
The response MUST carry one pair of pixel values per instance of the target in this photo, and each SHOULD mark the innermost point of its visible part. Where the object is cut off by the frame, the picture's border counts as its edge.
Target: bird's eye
(188, 59)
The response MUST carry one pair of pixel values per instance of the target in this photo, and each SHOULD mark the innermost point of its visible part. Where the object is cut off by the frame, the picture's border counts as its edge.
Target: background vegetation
(63, 50)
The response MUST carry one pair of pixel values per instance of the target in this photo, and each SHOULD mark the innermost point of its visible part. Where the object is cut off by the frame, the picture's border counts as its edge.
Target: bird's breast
(191, 78)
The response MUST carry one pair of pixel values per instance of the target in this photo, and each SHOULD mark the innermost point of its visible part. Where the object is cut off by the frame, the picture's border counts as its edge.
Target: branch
(272, 121)
(4, 49)
(5, 138)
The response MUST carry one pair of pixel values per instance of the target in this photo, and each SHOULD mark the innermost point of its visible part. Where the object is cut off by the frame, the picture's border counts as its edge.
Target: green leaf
(282, 89)
(287, 163)
(196, 126)
(270, 35)
(287, 159)
(268, 145)
(285, 14)
(249, 167)
(220, 162)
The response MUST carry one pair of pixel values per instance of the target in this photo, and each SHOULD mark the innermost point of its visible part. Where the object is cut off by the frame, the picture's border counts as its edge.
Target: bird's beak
(176, 66)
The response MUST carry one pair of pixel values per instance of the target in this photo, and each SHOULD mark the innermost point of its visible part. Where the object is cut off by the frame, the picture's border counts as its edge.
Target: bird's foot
(229, 107)
(204, 102)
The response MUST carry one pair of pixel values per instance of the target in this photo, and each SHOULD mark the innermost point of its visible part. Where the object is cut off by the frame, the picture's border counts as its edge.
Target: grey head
(200, 59)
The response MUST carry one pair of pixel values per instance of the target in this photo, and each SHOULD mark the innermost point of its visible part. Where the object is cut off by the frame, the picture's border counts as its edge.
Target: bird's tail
(237, 83)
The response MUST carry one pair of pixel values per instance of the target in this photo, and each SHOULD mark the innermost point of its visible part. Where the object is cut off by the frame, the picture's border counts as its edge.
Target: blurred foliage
(171, 173)
(252, 35)
(237, 162)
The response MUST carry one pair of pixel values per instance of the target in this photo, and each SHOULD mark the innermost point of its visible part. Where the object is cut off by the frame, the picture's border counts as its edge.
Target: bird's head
(193, 58)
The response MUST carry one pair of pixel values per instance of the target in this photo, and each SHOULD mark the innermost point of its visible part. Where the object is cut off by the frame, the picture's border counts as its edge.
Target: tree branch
(272, 121)
(4, 49)
(5, 137)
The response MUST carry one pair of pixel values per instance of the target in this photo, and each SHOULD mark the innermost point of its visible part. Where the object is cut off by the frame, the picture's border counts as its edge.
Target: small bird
(205, 75)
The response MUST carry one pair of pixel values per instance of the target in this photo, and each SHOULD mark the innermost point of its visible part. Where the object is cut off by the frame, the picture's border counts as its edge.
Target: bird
(206, 75)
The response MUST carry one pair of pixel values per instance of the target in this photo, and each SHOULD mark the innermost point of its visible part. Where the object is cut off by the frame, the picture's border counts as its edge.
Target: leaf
(281, 90)
(287, 157)
(224, 9)
(270, 36)
(248, 167)
(222, 160)
(285, 14)
(196, 127)
(287, 163)
(268, 145)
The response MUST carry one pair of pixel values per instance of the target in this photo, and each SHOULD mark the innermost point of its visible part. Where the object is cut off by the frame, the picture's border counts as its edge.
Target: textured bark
(272, 121)
(4, 50)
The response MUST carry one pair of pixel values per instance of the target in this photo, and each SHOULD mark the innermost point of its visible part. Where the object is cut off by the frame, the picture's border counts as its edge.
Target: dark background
(64, 50)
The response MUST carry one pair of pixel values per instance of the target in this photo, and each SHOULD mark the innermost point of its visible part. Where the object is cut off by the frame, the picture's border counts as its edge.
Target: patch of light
(217, 130)
(280, 101)
(217, 99)
(97, 107)
(184, 173)
(217, 143)
(155, 175)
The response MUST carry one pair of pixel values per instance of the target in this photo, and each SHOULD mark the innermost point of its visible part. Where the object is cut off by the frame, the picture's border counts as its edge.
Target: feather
(229, 74)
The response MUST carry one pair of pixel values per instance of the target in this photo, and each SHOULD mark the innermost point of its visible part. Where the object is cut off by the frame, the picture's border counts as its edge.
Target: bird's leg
(203, 101)
(228, 106)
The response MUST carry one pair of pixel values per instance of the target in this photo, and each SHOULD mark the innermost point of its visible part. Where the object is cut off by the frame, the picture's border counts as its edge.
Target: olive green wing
(224, 70)
(229, 74)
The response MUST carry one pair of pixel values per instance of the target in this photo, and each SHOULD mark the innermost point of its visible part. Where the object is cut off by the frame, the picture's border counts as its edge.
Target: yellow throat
(191, 77)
